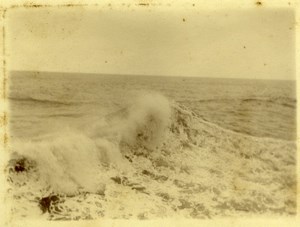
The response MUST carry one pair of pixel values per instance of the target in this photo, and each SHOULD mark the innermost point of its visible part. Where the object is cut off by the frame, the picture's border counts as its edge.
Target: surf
(153, 147)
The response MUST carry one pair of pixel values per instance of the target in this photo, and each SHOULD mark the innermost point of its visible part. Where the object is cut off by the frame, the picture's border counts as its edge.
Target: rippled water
(256, 107)
(93, 146)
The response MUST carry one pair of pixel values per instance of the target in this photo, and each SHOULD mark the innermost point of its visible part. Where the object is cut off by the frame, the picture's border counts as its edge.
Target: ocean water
(114, 146)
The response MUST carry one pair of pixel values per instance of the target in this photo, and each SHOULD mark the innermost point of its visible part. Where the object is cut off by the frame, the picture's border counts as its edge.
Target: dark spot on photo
(46, 202)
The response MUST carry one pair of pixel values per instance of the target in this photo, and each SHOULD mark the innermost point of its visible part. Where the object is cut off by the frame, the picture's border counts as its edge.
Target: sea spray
(201, 170)
(198, 171)
(68, 163)
(71, 161)
(147, 121)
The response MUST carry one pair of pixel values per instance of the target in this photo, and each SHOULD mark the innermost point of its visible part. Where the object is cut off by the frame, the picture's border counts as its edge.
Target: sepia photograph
(144, 111)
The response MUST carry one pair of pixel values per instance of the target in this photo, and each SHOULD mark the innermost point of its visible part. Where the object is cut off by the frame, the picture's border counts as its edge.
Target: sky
(254, 44)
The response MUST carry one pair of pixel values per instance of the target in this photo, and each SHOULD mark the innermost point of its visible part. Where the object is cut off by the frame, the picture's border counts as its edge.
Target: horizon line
(148, 75)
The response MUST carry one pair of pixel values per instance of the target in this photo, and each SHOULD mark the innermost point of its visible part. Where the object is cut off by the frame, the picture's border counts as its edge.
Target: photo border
(212, 5)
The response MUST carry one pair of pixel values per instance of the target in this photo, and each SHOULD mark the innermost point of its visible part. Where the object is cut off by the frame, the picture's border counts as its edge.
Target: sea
(90, 146)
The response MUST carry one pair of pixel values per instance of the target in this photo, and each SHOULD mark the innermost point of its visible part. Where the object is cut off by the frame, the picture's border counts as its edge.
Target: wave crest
(71, 161)
(147, 122)
(156, 150)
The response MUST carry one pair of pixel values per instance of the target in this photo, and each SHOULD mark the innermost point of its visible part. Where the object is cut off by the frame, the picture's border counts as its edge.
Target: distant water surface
(262, 108)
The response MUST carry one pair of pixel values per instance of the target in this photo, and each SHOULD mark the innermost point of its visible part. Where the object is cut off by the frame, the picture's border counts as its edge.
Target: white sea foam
(148, 121)
(165, 160)
(71, 161)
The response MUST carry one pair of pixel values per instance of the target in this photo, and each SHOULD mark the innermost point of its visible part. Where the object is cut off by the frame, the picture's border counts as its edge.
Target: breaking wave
(163, 155)
(72, 160)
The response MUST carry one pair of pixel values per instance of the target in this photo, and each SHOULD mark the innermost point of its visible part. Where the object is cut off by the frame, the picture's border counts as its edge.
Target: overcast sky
(238, 44)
